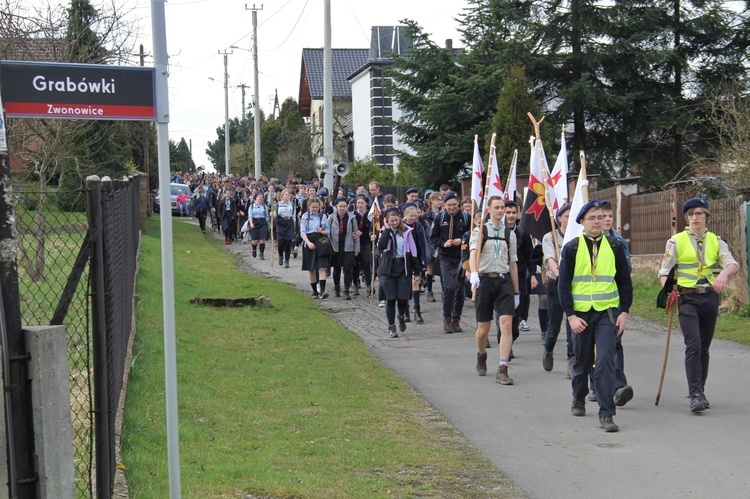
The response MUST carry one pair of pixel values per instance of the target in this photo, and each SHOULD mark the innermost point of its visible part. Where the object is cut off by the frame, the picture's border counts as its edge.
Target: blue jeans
(184, 209)
(452, 281)
(602, 333)
(555, 318)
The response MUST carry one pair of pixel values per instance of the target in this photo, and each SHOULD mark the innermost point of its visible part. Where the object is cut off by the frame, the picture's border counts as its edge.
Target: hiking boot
(623, 395)
(482, 363)
(346, 295)
(392, 332)
(706, 403)
(570, 368)
(524, 326)
(286, 264)
(324, 295)
(407, 317)
(697, 404)
(430, 297)
(578, 408)
(336, 292)
(418, 316)
(401, 323)
(592, 396)
(502, 375)
(456, 322)
(607, 424)
(548, 361)
(281, 260)
(447, 325)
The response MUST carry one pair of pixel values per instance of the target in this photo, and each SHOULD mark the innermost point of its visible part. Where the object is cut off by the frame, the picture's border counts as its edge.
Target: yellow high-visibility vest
(589, 292)
(690, 269)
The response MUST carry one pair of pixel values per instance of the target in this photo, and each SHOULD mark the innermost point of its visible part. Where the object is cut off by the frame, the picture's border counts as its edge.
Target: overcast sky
(198, 29)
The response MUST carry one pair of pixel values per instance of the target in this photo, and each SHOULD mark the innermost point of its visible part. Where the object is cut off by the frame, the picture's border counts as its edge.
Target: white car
(176, 188)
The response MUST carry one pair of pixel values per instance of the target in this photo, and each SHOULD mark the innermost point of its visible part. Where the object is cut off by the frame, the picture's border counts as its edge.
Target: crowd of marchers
(396, 249)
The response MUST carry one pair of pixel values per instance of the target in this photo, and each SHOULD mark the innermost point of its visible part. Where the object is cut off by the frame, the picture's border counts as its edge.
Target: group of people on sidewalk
(586, 282)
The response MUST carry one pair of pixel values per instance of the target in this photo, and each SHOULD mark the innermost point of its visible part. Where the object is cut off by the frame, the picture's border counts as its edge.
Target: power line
(293, 28)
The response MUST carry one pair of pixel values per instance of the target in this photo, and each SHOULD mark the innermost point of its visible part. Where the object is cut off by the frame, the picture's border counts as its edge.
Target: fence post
(17, 389)
(99, 332)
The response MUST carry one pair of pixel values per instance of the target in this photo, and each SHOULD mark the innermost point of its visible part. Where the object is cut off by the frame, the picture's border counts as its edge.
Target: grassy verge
(645, 289)
(279, 402)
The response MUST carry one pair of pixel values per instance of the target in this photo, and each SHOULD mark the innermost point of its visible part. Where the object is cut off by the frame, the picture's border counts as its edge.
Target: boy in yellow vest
(595, 292)
(704, 266)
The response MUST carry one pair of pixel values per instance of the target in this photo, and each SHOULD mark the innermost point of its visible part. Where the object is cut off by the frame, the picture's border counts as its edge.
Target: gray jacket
(352, 243)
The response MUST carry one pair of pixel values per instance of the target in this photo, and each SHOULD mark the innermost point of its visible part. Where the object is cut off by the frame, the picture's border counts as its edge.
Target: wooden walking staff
(481, 221)
(545, 180)
(671, 306)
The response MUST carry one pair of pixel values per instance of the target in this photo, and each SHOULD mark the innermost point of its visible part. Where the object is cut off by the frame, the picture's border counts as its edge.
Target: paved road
(527, 429)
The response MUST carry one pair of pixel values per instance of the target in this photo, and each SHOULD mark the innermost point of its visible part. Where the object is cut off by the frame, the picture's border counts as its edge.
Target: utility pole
(244, 113)
(328, 180)
(226, 112)
(276, 109)
(256, 97)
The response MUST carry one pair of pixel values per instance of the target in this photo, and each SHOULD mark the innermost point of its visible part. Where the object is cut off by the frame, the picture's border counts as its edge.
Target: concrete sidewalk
(527, 429)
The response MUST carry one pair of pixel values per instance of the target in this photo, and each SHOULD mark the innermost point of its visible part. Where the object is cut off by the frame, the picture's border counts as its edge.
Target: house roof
(343, 63)
(32, 49)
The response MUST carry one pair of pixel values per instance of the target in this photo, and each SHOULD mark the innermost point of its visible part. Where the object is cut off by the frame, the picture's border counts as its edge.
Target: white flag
(558, 180)
(495, 184)
(574, 228)
(477, 169)
(511, 186)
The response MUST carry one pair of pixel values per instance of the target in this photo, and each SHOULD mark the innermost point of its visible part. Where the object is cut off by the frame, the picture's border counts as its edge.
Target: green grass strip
(280, 402)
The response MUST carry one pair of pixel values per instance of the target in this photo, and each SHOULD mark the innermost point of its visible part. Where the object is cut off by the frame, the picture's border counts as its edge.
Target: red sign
(77, 91)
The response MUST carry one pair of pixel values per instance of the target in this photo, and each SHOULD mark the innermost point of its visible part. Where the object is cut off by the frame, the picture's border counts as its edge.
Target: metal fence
(78, 269)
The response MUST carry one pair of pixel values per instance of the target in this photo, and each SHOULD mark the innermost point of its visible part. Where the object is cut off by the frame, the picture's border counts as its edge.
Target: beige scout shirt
(670, 255)
(494, 259)
(548, 250)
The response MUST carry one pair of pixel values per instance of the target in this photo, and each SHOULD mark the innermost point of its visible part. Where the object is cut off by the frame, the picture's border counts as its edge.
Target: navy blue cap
(340, 199)
(322, 193)
(563, 209)
(450, 195)
(696, 202)
(594, 203)
(391, 211)
(412, 190)
(510, 202)
(408, 205)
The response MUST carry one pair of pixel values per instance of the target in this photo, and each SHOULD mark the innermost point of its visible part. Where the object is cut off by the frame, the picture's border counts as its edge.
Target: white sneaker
(524, 326)
(381, 304)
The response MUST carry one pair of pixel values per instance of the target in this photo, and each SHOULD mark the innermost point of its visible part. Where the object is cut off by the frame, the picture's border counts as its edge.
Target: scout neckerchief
(594, 252)
(698, 246)
(496, 242)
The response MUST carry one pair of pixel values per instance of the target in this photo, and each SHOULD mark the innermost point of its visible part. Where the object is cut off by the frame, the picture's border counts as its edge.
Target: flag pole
(511, 172)
(545, 181)
(582, 172)
(481, 220)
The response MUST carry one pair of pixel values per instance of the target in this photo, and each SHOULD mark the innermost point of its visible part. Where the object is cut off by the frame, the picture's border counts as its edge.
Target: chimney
(449, 43)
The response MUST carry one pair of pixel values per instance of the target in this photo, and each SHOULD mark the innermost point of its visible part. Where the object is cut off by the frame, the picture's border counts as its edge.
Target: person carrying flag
(596, 293)
(704, 266)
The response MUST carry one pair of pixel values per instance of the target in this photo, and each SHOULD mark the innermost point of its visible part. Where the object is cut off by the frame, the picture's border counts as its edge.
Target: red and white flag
(495, 184)
(477, 169)
(558, 179)
(511, 186)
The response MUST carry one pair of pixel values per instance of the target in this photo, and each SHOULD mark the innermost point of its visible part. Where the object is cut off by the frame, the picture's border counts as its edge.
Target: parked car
(176, 188)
